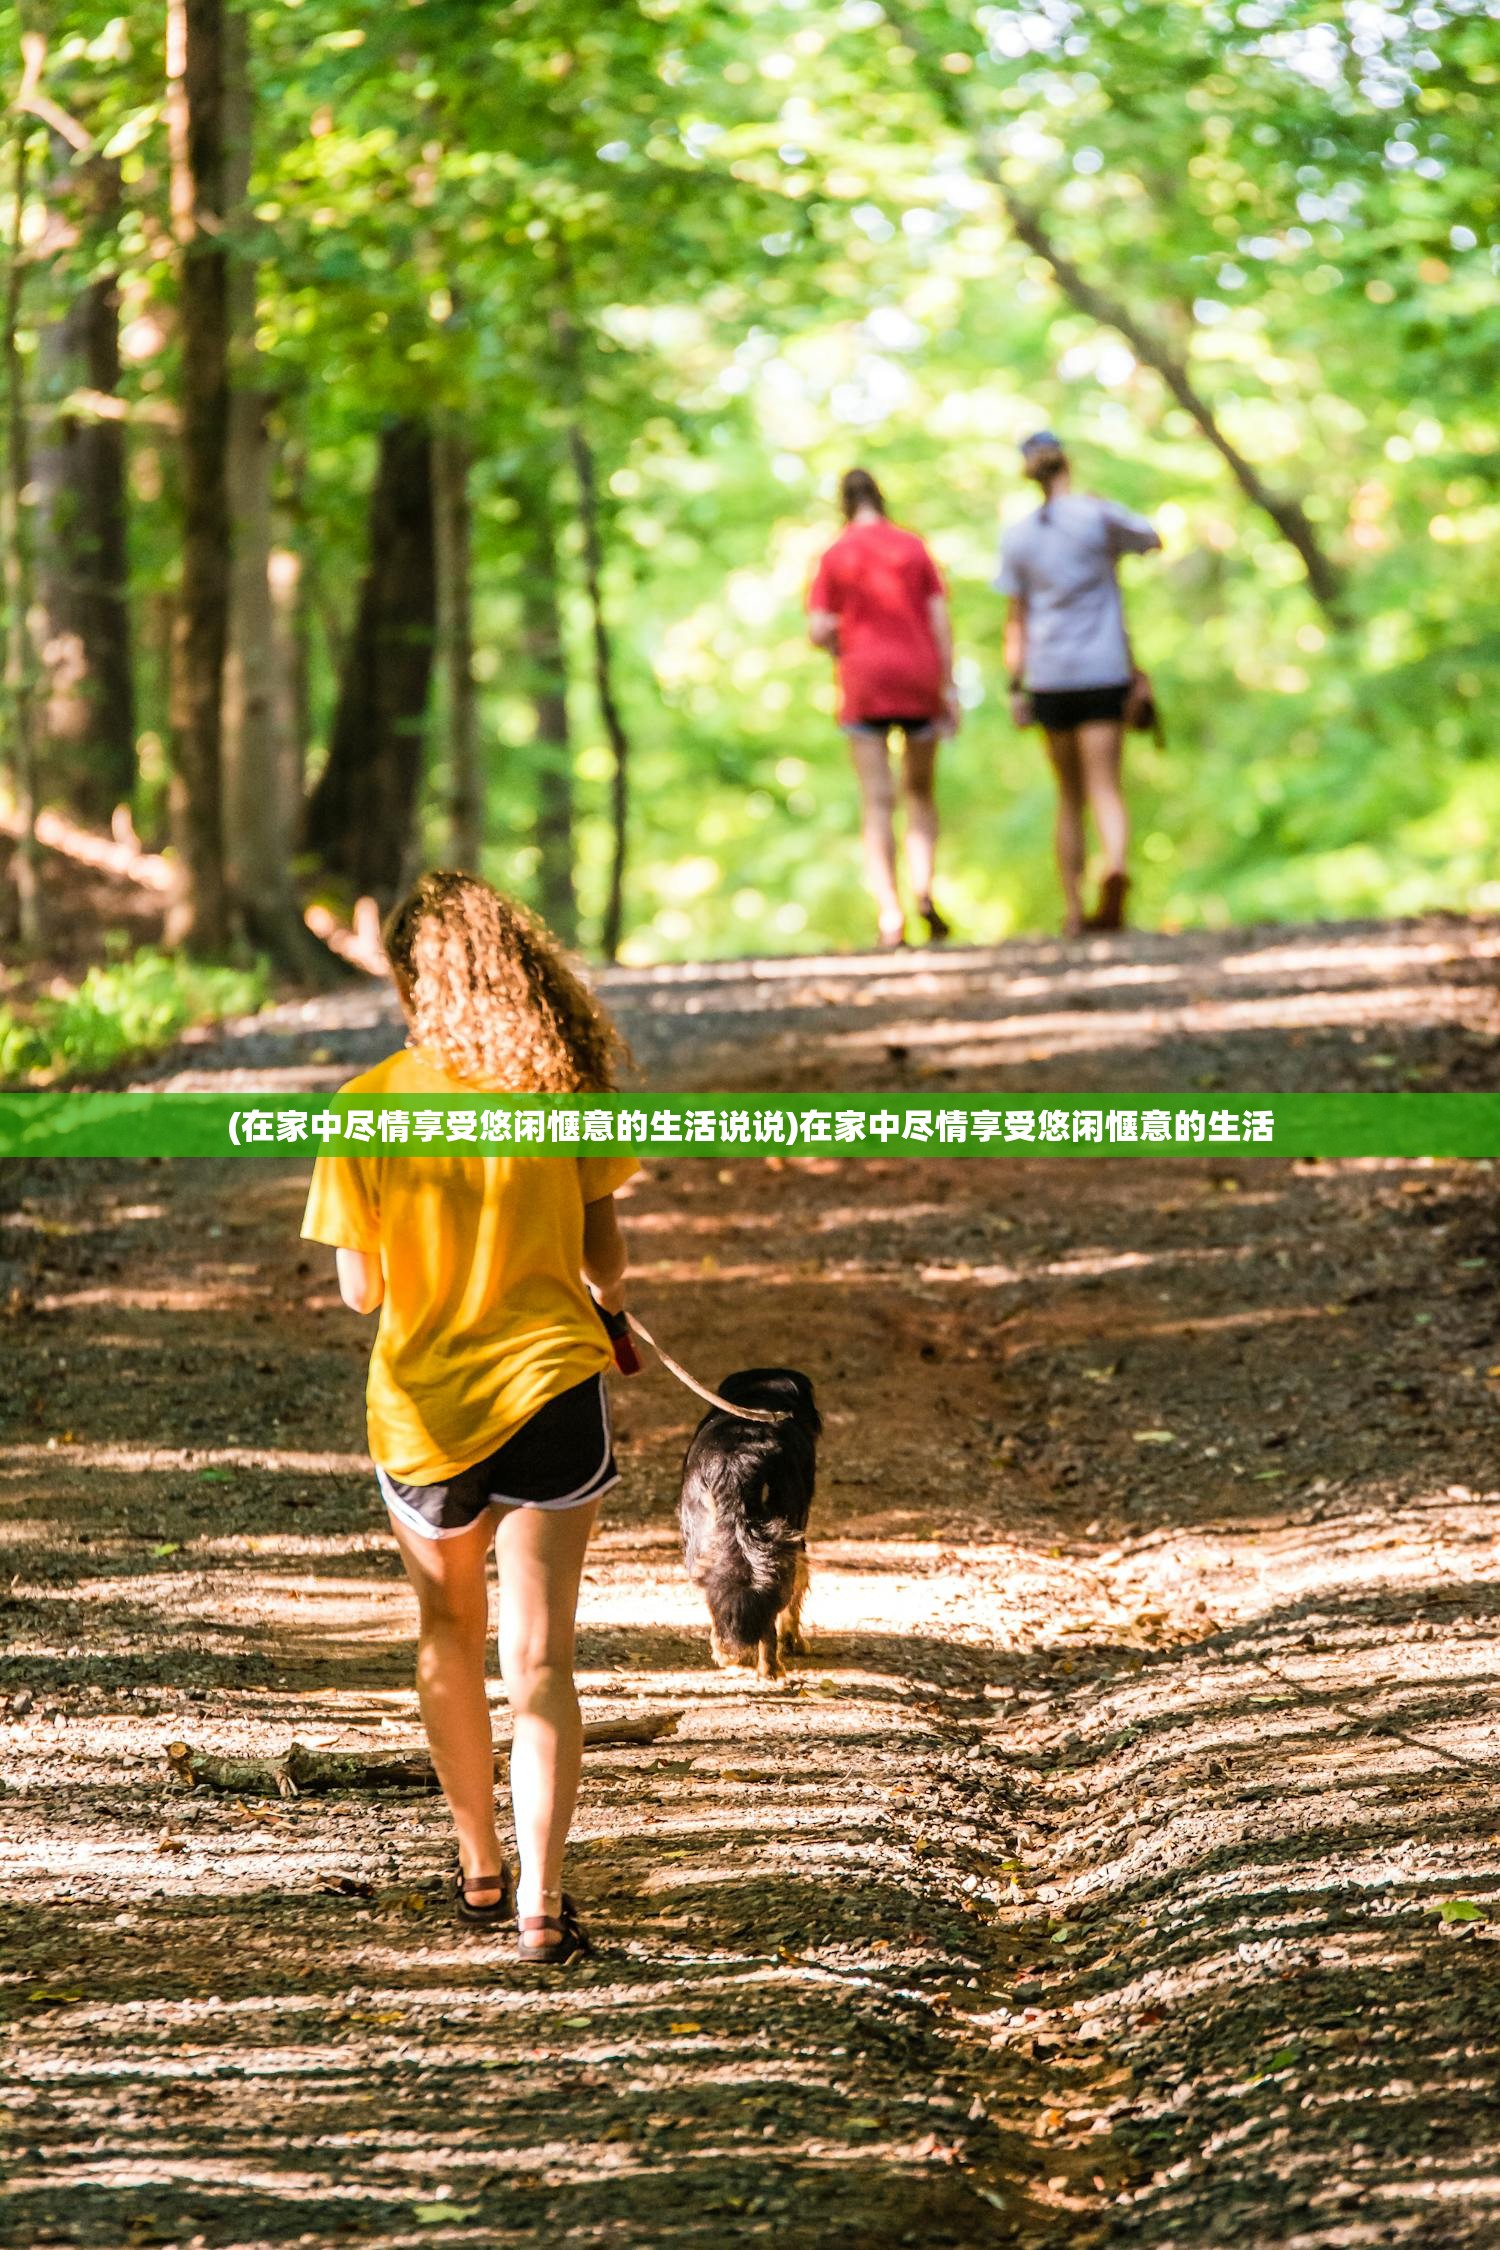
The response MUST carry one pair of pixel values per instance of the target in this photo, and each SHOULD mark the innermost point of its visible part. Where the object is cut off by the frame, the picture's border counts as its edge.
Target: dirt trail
(1086, 1887)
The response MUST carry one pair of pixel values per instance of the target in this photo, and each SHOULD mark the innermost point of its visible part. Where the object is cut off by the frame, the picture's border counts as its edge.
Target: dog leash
(620, 1326)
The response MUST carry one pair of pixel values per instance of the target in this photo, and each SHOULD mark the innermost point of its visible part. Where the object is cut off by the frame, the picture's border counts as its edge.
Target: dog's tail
(746, 1601)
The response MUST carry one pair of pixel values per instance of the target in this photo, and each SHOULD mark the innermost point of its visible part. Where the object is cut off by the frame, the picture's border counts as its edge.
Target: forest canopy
(464, 387)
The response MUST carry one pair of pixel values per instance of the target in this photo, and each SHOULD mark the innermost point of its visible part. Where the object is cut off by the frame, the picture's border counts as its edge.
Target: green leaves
(770, 231)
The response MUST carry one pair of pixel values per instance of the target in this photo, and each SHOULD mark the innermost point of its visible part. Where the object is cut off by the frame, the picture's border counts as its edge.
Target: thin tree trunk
(455, 541)
(200, 918)
(260, 816)
(1324, 578)
(582, 456)
(291, 682)
(255, 848)
(89, 712)
(292, 591)
(543, 650)
(359, 817)
(256, 837)
(15, 529)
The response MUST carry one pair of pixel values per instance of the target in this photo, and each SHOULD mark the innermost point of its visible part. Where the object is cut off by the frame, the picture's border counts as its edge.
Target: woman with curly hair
(488, 1420)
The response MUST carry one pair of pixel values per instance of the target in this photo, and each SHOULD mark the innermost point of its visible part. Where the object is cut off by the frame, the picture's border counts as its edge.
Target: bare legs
(1062, 749)
(449, 1578)
(872, 765)
(541, 1555)
(541, 1563)
(918, 772)
(1086, 761)
(1100, 747)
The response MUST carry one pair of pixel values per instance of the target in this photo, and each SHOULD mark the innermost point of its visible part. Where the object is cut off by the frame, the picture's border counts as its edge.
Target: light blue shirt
(1060, 562)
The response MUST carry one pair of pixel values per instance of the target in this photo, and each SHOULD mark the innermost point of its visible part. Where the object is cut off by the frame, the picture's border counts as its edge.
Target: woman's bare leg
(918, 772)
(1100, 748)
(872, 765)
(541, 1555)
(450, 1579)
(1062, 749)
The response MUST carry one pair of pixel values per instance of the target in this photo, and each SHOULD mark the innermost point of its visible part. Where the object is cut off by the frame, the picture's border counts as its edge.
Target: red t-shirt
(877, 580)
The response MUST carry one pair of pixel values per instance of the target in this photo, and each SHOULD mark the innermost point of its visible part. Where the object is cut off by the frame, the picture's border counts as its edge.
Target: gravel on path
(1123, 1867)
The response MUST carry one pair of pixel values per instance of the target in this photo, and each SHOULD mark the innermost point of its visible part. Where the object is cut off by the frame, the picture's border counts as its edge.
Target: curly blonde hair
(489, 996)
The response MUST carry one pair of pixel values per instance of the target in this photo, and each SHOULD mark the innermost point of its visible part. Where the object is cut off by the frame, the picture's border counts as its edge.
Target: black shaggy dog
(747, 1489)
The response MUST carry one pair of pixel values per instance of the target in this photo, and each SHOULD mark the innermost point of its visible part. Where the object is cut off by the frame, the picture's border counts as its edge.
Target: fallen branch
(30, 97)
(90, 406)
(359, 946)
(301, 1772)
(120, 854)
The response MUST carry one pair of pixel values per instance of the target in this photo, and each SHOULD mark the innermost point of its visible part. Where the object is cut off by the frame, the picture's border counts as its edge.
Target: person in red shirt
(877, 605)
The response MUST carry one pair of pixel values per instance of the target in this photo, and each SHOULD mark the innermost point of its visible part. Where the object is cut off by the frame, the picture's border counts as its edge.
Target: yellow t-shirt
(486, 1314)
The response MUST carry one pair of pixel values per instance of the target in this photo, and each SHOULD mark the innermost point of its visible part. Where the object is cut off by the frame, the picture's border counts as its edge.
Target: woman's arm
(1128, 533)
(1015, 642)
(942, 633)
(1021, 713)
(823, 629)
(605, 1258)
(361, 1282)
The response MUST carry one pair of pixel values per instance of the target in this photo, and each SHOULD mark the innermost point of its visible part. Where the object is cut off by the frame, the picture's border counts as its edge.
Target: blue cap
(1045, 441)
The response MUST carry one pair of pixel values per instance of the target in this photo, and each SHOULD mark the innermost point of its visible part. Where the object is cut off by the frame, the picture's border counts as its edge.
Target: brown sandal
(547, 1941)
(502, 1908)
(938, 926)
(1110, 912)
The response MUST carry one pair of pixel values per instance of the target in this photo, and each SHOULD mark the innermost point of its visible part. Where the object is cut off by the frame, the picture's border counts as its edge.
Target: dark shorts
(561, 1458)
(1060, 709)
(888, 727)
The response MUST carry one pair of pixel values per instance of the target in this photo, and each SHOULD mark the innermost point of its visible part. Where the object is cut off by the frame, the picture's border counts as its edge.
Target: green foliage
(121, 1010)
(747, 241)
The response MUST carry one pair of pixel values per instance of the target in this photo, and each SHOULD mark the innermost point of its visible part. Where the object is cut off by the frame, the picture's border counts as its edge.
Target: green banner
(287, 1126)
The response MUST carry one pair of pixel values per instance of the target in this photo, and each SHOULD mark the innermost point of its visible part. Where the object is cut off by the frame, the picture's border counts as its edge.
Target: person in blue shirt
(1067, 656)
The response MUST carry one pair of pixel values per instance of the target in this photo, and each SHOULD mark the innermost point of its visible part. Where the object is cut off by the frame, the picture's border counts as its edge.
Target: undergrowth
(121, 1009)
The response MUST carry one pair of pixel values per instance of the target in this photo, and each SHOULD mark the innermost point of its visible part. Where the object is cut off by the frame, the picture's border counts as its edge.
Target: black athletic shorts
(560, 1458)
(1060, 709)
(890, 726)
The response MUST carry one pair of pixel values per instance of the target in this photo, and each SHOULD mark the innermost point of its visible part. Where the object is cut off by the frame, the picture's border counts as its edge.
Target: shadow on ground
(1084, 1892)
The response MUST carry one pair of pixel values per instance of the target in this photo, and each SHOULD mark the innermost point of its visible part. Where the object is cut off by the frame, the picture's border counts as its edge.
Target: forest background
(423, 421)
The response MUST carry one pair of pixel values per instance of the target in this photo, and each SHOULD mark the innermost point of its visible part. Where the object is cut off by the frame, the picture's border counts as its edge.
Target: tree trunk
(547, 686)
(89, 685)
(1324, 578)
(454, 535)
(291, 675)
(359, 817)
(582, 455)
(21, 680)
(260, 815)
(257, 833)
(200, 918)
(292, 608)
